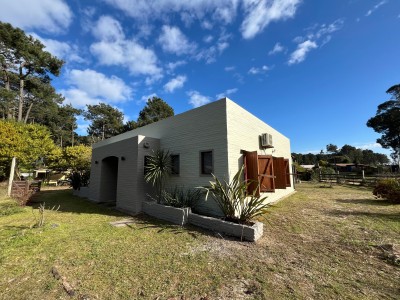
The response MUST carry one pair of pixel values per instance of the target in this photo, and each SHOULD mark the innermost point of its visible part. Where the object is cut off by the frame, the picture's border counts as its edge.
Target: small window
(146, 164)
(206, 162)
(175, 164)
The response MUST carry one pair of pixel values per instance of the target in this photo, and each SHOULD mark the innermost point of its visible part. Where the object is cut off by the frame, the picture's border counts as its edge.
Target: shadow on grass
(376, 202)
(394, 217)
(69, 203)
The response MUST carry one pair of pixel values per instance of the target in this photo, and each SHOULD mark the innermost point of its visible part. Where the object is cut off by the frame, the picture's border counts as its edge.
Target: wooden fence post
(11, 178)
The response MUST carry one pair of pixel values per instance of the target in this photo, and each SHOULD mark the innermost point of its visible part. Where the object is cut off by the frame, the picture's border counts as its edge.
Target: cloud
(226, 93)
(91, 87)
(261, 70)
(172, 40)
(229, 68)
(223, 11)
(147, 97)
(369, 12)
(277, 49)
(171, 66)
(209, 54)
(67, 51)
(50, 16)
(97, 84)
(208, 39)
(259, 13)
(175, 83)
(108, 29)
(300, 53)
(196, 99)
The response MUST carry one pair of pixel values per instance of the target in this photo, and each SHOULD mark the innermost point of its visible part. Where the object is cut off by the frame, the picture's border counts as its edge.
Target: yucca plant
(179, 197)
(234, 201)
(157, 170)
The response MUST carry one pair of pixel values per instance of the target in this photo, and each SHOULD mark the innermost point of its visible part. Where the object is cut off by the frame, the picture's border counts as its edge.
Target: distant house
(217, 138)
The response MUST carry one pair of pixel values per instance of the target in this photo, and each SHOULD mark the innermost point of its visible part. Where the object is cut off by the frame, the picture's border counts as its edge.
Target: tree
(27, 142)
(26, 70)
(155, 110)
(106, 121)
(387, 121)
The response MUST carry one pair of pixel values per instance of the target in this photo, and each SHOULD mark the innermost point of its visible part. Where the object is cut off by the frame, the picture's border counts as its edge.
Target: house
(217, 138)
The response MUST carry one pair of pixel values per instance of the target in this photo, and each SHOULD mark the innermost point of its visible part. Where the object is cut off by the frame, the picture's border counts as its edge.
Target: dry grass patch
(321, 243)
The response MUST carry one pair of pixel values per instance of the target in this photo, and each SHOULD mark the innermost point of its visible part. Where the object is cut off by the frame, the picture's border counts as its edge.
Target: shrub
(181, 198)
(388, 189)
(157, 169)
(234, 201)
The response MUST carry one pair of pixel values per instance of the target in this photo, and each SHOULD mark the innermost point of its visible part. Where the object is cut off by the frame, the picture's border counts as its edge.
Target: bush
(234, 201)
(388, 189)
(181, 198)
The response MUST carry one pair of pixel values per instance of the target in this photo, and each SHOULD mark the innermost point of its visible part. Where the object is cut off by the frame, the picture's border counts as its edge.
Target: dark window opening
(175, 164)
(206, 162)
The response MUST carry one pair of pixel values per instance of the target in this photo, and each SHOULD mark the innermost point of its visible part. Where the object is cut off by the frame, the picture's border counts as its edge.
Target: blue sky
(314, 70)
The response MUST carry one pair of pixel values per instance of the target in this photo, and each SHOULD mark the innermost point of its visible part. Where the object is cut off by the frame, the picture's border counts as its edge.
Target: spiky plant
(234, 200)
(157, 170)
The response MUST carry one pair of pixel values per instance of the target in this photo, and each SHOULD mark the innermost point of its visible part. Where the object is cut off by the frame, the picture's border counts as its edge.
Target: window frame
(201, 162)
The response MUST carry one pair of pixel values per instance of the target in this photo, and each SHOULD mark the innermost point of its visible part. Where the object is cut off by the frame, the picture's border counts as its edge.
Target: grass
(318, 244)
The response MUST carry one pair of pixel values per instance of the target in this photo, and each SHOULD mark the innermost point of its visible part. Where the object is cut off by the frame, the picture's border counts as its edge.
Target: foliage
(106, 121)
(26, 68)
(27, 142)
(387, 120)
(181, 198)
(388, 189)
(157, 170)
(155, 110)
(79, 179)
(346, 154)
(234, 201)
(78, 157)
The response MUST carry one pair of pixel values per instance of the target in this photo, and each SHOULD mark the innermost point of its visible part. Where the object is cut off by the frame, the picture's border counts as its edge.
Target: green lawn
(321, 243)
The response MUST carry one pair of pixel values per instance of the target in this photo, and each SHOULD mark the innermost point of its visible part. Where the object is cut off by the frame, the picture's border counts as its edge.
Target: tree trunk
(27, 113)
(72, 135)
(21, 92)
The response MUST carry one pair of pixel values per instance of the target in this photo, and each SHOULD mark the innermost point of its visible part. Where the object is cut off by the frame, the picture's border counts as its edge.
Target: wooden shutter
(266, 173)
(251, 170)
(287, 170)
(280, 172)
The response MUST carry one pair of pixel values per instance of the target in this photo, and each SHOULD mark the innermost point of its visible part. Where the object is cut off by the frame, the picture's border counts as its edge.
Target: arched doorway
(109, 179)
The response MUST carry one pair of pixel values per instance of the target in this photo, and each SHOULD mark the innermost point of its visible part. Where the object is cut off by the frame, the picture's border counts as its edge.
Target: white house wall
(244, 130)
(187, 134)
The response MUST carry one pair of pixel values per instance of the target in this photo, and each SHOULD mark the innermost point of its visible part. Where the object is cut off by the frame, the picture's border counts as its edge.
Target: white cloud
(259, 13)
(261, 70)
(108, 29)
(128, 54)
(229, 68)
(175, 83)
(78, 98)
(277, 49)
(63, 50)
(171, 66)
(226, 93)
(146, 98)
(172, 40)
(210, 53)
(51, 16)
(196, 99)
(208, 39)
(369, 12)
(97, 84)
(300, 53)
(91, 87)
(206, 25)
(221, 11)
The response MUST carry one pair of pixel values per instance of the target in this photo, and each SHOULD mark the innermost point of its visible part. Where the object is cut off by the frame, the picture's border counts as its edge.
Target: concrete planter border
(168, 213)
(245, 232)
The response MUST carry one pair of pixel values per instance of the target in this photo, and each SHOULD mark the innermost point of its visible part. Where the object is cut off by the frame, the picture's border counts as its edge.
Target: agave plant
(234, 200)
(157, 170)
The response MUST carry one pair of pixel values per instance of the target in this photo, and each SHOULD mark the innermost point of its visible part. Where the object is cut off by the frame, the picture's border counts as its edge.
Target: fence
(22, 190)
(354, 179)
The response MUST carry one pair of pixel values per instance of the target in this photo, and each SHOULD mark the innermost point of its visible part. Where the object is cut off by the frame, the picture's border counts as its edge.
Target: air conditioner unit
(266, 140)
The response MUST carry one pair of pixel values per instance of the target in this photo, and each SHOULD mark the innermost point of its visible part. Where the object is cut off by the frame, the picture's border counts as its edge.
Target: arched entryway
(109, 179)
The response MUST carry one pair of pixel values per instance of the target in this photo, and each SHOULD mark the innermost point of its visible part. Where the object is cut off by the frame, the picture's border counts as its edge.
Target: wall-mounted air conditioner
(266, 140)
